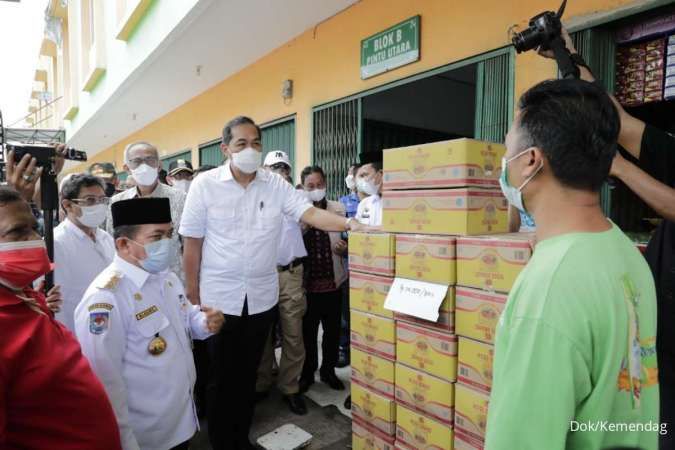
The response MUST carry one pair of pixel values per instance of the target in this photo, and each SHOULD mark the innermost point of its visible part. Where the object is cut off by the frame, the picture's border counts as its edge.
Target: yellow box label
(455, 163)
(367, 293)
(418, 431)
(373, 372)
(475, 364)
(446, 315)
(366, 437)
(477, 313)
(428, 350)
(492, 263)
(465, 442)
(372, 253)
(425, 393)
(445, 211)
(374, 409)
(426, 258)
(373, 334)
(471, 409)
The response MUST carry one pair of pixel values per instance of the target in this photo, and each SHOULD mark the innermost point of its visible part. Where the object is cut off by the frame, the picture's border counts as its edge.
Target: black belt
(295, 263)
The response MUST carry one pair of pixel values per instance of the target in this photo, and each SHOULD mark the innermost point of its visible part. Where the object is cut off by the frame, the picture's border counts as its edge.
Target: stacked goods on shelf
(669, 91)
(460, 189)
(487, 267)
(373, 354)
(641, 72)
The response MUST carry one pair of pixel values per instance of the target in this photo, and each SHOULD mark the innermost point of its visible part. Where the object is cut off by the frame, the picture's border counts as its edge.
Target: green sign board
(391, 48)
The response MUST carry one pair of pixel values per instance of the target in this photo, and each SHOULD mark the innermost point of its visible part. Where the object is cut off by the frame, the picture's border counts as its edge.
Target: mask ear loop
(541, 166)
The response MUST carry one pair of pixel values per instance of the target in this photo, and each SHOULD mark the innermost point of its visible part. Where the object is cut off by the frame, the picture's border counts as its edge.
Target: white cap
(275, 157)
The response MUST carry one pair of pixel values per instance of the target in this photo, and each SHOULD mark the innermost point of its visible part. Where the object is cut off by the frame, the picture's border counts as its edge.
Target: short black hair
(239, 120)
(9, 195)
(72, 187)
(307, 171)
(127, 231)
(576, 125)
(354, 166)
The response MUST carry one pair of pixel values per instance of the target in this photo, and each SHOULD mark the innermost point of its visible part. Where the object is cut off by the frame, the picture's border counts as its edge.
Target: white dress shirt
(123, 310)
(241, 230)
(177, 202)
(291, 244)
(78, 259)
(369, 211)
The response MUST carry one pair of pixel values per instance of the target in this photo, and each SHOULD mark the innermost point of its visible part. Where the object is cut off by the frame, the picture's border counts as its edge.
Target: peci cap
(141, 211)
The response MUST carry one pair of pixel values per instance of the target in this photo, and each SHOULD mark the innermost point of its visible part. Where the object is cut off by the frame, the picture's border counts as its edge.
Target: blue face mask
(515, 195)
(158, 255)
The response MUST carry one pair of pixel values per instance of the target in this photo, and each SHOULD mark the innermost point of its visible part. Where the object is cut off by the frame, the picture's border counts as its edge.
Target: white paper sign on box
(416, 298)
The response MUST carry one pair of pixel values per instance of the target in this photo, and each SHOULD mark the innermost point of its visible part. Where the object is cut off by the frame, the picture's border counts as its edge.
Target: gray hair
(143, 144)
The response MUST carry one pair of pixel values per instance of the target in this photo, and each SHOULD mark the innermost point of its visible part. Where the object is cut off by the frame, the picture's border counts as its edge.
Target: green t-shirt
(580, 318)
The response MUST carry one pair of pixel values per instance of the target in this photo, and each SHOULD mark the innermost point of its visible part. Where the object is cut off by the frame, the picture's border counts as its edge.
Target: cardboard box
(425, 393)
(455, 163)
(367, 293)
(373, 372)
(427, 350)
(374, 409)
(416, 431)
(474, 364)
(477, 313)
(445, 211)
(367, 437)
(492, 263)
(373, 334)
(465, 442)
(427, 258)
(372, 253)
(446, 315)
(471, 409)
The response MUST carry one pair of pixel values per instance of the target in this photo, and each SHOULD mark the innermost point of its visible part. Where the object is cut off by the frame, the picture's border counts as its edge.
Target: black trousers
(235, 355)
(325, 309)
(345, 332)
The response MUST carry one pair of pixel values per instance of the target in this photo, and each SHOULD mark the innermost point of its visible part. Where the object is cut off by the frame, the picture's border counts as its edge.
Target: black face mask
(109, 190)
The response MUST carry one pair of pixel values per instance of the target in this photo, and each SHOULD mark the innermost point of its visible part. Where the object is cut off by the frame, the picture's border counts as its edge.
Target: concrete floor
(327, 420)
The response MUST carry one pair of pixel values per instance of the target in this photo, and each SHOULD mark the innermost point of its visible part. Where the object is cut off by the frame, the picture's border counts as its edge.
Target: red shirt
(49, 396)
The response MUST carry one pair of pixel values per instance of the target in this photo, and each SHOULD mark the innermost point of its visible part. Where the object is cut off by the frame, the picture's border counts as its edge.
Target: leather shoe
(348, 402)
(333, 381)
(296, 404)
(305, 384)
(343, 359)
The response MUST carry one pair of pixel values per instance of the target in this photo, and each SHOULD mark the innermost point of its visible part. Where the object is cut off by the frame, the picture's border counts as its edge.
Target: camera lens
(527, 40)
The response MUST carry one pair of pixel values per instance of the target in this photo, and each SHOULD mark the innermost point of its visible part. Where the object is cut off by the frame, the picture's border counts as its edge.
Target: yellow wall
(324, 61)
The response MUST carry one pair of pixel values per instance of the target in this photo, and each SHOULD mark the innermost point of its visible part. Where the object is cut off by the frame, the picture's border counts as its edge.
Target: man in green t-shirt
(575, 360)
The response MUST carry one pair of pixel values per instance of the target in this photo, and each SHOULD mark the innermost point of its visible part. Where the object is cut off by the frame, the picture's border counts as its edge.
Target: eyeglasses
(152, 161)
(280, 166)
(91, 201)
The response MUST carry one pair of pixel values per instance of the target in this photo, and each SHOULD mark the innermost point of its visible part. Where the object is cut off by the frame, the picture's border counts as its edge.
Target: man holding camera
(653, 180)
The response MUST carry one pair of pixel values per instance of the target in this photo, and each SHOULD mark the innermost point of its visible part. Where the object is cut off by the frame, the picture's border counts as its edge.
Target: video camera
(41, 145)
(545, 33)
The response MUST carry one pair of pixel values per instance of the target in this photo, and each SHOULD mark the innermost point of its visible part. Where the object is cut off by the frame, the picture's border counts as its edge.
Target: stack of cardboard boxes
(487, 267)
(373, 340)
(432, 194)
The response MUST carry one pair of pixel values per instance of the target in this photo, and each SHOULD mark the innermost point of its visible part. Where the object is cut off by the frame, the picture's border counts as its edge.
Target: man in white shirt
(135, 326)
(292, 305)
(231, 228)
(81, 249)
(369, 181)
(141, 161)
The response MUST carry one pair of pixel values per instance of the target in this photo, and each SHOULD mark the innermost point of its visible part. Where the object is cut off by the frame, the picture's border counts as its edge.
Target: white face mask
(247, 160)
(182, 185)
(316, 195)
(93, 216)
(350, 182)
(366, 186)
(145, 175)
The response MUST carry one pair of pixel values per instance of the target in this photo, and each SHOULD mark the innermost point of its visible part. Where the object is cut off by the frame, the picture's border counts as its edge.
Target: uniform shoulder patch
(111, 282)
(95, 306)
(98, 322)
